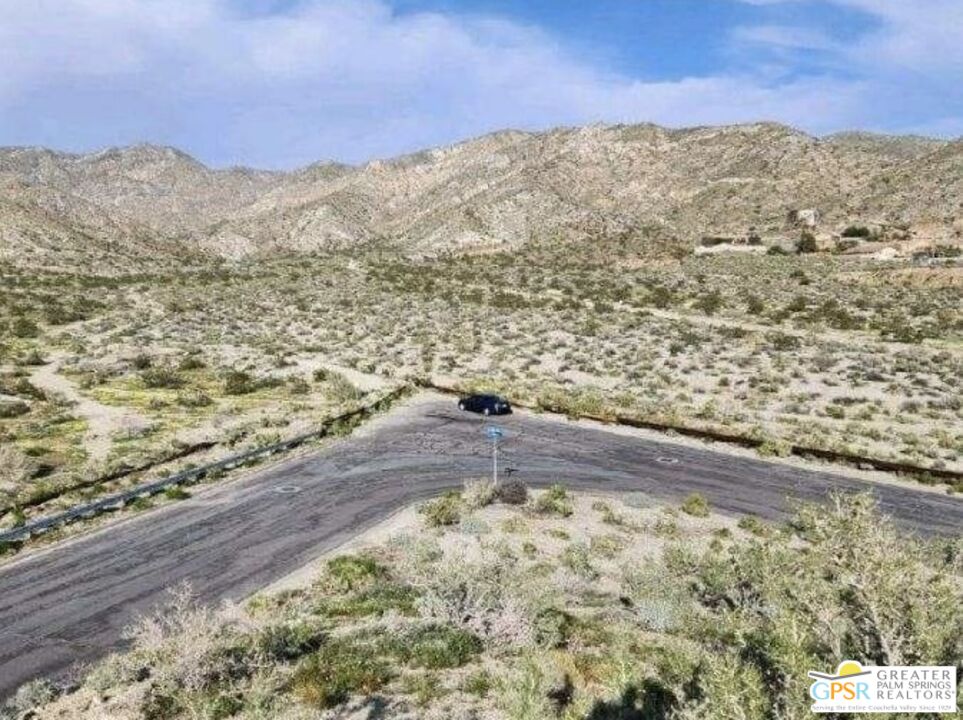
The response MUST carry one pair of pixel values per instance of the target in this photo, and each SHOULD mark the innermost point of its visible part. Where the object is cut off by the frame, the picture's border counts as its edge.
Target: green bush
(288, 641)
(238, 382)
(375, 600)
(443, 511)
(339, 669)
(13, 408)
(806, 243)
(856, 231)
(349, 572)
(554, 501)
(191, 361)
(752, 524)
(710, 302)
(24, 328)
(175, 492)
(194, 399)
(439, 646)
(696, 505)
(890, 598)
(553, 628)
(161, 377)
(142, 361)
(340, 388)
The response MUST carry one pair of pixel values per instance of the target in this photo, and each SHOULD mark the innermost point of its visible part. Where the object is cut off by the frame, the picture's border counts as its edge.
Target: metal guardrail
(116, 501)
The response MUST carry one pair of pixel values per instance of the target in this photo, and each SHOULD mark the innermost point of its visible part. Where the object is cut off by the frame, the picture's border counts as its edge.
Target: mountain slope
(501, 189)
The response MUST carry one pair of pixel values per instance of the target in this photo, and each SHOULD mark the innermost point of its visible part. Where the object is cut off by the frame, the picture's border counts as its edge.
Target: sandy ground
(582, 526)
(103, 421)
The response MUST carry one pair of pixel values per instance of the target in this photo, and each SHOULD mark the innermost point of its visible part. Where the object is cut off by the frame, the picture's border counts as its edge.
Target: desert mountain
(501, 189)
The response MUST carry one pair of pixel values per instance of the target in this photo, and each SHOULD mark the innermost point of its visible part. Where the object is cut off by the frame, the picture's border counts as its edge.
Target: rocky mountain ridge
(498, 190)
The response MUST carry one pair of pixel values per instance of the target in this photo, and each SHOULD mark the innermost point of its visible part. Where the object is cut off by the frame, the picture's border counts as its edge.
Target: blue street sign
(494, 433)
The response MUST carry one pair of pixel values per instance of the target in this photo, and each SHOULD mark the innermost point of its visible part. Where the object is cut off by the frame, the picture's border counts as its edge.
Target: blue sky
(282, 83)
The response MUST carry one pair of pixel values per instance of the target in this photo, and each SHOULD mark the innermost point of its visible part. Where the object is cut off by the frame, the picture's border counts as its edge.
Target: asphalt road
(70, 603)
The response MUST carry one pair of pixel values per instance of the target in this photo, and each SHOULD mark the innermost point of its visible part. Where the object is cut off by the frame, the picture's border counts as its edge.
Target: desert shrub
(423, 687)
(696, 505)
(194, 399)
(806, 243)
(191, 361)
(487, 597)
(142, 361)
(298, 386)
(606, 546)
(776, 250)
(286, 642)
(28, 699)
(442, 511)
(578, 558)
(710, 302)
(339, 669)
(755, 305)
(774, 448)
(945, 251)
(478, 683)
(33, 358)
(238, 382)
(856, 231)
(186, 645)
(523, 694)
(176, 492)
(24, 388)
(858, 588)
(13, 408)
(373, 600)
(554, 501)
(783, 342)
(24, 328)
(161, 377)
(479, 493)
(340, 388)
(15, 467)
(752, 524)
(553, 627)
(439, 646)
(512, 492)
(348, 572)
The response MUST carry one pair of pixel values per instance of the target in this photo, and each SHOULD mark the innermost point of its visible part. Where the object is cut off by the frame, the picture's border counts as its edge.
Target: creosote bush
(696, 505)
(443, 511)
(554, 501)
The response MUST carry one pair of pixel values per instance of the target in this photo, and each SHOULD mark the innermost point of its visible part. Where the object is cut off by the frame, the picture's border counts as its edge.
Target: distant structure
(803, 218)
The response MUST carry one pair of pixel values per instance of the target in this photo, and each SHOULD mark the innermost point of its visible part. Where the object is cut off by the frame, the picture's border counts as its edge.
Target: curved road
(71, 602)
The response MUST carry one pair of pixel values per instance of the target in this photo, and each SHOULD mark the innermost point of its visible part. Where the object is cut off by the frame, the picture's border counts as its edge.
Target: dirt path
(103, 421)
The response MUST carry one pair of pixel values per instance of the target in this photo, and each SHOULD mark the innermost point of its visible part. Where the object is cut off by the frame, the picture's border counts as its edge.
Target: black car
(485, 404)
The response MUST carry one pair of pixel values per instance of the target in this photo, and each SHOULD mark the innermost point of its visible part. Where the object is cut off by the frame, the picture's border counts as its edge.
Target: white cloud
(351, 79)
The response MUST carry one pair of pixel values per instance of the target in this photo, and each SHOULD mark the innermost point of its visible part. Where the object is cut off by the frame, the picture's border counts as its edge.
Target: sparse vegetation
(598, 623)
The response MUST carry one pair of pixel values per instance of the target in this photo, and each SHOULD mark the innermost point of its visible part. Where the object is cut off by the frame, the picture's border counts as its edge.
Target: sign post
(494, 433)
